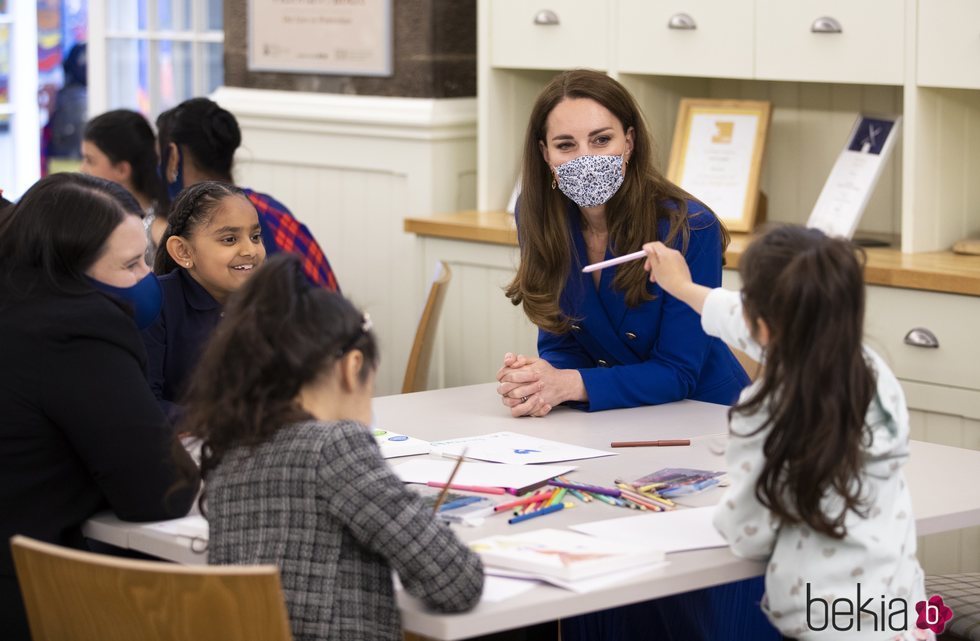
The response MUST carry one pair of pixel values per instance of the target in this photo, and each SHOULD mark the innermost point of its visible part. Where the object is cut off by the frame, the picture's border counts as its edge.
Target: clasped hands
(532, 387)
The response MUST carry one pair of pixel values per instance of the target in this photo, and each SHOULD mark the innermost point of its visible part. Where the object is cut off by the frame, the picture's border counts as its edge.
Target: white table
(943, 482)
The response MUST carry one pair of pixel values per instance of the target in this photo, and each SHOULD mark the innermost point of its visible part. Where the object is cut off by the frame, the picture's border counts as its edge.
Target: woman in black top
(81, 431)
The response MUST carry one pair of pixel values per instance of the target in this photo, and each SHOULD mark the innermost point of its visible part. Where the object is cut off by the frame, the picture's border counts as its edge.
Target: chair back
(81, 596)
(420, 358)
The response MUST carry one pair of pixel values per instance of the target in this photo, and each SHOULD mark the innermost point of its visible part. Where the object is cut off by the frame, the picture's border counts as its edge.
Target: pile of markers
(553, 499)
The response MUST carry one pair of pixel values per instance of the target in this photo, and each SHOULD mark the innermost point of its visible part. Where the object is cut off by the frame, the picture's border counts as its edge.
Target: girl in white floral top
(817, 443)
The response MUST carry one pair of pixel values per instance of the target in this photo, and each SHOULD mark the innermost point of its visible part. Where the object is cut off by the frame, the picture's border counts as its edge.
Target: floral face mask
(590, 181)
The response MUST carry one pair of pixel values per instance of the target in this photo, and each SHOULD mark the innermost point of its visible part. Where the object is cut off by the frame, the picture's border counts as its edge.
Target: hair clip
(366, 323)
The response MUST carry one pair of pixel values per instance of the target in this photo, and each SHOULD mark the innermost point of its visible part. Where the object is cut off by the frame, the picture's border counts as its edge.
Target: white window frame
(23, 106)
(100, 35)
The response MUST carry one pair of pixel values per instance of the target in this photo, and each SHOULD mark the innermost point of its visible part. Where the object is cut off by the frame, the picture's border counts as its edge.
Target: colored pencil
(606, 499)
(445, 490)
(468, 488)
(663, 443)
(532, 498)
(592, 489)
(556, 497)
(614, 261)
(543, 511)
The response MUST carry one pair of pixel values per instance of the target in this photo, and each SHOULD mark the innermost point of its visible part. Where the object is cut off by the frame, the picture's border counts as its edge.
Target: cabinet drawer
(868, 49)
(951, 318)
(949, 43)
(652, 38)
(549, 34)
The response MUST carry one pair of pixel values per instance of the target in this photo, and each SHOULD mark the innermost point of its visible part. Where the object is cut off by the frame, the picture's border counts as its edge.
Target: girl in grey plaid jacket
(281, 400)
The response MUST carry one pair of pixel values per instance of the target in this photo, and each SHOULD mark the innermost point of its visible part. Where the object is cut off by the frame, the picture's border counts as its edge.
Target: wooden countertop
(495, 227)
(931, 271)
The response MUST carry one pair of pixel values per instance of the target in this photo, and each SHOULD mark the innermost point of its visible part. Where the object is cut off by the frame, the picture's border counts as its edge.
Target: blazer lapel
(603, 308)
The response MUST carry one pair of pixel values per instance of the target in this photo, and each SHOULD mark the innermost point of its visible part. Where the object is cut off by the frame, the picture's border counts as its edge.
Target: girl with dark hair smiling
(198, 140)
(212, 246)
(282, 402)
(817, 442)
(81, 431)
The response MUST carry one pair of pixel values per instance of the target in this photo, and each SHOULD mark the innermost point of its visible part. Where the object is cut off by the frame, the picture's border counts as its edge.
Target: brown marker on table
(667, 443)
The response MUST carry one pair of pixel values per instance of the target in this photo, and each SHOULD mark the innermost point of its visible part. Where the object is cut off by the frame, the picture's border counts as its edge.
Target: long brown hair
(632, 213)
(279, 333)
(808, 288)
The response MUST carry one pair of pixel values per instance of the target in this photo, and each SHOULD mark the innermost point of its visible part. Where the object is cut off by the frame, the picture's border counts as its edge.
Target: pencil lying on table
(543, 511)
(532, 498)
(664, 443)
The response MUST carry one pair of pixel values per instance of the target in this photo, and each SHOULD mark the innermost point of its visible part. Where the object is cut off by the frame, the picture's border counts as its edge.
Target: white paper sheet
(676, 531)
(498, 588)
(393, 444)
(476, 473)
(582, 586)
(517, 449)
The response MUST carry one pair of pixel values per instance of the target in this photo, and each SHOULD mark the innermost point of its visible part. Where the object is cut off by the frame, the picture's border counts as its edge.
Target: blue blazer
(651, 354)
(175, 341)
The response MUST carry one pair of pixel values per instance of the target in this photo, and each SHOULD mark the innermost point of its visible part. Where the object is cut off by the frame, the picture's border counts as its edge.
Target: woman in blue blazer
(608, 339)
(591, 191)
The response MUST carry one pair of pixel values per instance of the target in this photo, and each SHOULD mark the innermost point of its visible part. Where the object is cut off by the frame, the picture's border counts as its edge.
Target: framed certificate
(342, 37)
(717, 156)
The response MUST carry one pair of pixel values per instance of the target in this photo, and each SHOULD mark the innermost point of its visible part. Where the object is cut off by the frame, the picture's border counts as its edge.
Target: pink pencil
(468, 488)
(614, 261)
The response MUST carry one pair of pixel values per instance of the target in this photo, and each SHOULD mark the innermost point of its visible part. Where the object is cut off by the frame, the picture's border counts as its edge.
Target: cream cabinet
(830, 41)
(557, 35)
(685, 38)
(929, 338)
(949, 43)
(820, 62)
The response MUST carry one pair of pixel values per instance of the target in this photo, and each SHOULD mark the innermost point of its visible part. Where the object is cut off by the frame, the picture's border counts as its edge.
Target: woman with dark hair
(120, 146)
(197, 141)
(611, 339)
(81, 431)
(591, 191)
(282, 402)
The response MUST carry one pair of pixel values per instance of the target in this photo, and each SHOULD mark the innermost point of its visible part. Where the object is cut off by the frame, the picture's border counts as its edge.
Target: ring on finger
(524, 399)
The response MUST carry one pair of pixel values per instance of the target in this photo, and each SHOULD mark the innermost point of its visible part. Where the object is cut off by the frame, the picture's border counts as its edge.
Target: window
(20, 162)
(150, 55)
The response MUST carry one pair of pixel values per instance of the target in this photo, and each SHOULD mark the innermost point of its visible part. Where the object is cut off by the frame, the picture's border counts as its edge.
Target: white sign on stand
(854, 176)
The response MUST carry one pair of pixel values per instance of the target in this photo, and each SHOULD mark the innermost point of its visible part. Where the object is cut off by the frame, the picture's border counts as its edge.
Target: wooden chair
(80, 596)
(417, 371)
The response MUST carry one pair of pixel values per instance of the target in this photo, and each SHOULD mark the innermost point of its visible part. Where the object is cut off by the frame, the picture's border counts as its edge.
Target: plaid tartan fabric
(961, 592)
(282, 232)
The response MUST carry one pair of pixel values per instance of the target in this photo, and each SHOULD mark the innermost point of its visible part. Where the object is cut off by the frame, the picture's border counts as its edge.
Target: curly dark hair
(279, 333)
(817, 386)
